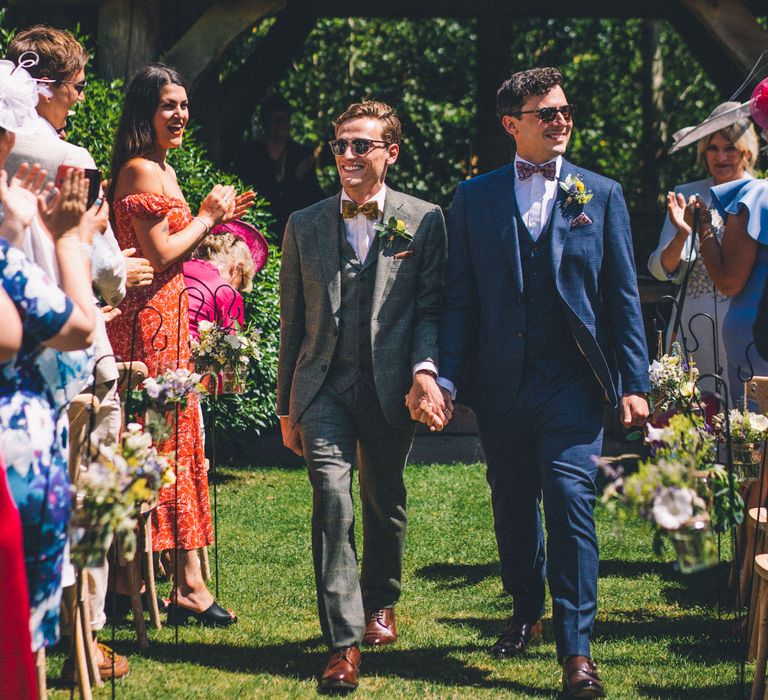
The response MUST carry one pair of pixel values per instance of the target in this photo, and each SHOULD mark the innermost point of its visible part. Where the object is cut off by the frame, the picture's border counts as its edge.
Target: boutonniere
(576, 190)
(394, 228)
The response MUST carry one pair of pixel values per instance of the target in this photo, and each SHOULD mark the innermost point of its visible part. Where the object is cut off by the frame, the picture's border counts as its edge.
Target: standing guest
(152, 216)
(60, 67)
(17, 668)
(358, 325)
(281, 169)
(221, 270)
(728, 152)
(542, 327)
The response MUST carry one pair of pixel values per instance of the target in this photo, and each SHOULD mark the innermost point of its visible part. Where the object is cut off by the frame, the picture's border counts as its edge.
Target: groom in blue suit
(541, 328)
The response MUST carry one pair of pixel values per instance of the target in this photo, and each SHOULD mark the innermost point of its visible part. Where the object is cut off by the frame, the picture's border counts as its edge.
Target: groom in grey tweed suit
(359, 315)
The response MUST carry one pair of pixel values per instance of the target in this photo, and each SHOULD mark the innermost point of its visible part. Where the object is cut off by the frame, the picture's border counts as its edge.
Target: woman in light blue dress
(738, 266)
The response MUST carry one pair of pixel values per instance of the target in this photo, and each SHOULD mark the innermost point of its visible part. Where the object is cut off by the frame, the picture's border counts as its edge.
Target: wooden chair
(75, 598)
(141, 569)
(758, 684)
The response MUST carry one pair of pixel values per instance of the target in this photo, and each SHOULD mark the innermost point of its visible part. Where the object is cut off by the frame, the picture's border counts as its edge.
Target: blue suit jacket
(482, 340)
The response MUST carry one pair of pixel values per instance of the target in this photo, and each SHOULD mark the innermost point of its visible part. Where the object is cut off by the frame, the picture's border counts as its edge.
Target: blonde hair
(224, 250)
(744, 139)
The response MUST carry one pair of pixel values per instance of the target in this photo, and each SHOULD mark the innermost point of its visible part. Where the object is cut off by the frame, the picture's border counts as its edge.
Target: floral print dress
(31, 384)
(154, 328)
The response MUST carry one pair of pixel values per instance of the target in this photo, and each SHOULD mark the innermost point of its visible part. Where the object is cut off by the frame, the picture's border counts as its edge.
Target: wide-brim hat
(727, 114)
(257, 244)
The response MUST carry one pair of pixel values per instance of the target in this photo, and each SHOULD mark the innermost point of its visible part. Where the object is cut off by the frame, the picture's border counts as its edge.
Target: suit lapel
(327, 229)
(504, 207)
(393, 204)
(560, 224)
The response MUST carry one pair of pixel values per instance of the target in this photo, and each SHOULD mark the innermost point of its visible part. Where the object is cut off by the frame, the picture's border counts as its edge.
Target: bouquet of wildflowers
(673, 381)
(226, 349)
(679, 482)
(746, 427)
(171, 389)
(109, 491)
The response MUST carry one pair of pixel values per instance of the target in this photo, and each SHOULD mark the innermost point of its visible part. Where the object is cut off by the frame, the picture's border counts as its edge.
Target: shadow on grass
(715, 692)
(454, 576)
(304, 661)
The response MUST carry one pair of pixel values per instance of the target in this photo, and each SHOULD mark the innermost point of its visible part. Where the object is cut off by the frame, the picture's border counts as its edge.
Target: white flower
(653, 434)
(759, 422)
(233, 341)
(672, 507)
(204, 326)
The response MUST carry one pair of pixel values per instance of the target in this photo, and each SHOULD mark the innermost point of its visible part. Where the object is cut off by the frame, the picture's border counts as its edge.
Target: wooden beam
(126, 36)
(734, 31)
(205, 42)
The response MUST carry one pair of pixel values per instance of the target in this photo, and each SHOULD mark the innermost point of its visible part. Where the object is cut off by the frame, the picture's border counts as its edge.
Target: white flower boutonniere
(576, 190)
(394, 228)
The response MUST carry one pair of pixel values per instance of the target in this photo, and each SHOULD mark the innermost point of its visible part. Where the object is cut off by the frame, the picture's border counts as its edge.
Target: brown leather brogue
(340, 674)
(516, 638)
(580, 679)
(380, 627)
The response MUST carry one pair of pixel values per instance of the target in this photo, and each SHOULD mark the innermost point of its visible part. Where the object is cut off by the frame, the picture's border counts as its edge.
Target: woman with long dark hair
(152, 216)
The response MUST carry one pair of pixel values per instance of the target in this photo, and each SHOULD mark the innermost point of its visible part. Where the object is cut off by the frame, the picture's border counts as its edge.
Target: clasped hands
(429, 403)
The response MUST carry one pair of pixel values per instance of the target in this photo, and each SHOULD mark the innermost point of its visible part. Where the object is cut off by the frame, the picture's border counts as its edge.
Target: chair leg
(205, 564)
(42, 687)
(149, 563)
(82, 674)
(134, 584)
(84, 610)
(758, 684)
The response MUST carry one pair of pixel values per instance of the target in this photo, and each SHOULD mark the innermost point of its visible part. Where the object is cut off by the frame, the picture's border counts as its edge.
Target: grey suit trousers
(338, 430)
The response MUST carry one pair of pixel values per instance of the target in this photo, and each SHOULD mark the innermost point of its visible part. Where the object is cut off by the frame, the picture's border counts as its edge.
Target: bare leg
(190, 590)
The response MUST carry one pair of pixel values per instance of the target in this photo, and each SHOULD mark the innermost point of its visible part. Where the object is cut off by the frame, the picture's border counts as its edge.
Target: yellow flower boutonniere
(576, 190)
(394, 228)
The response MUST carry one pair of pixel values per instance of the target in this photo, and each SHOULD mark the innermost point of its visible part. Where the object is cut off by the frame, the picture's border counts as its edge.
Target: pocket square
(581, 220)
(402, 255)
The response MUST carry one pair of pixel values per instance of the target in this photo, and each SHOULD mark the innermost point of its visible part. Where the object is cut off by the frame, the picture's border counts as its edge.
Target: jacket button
(323, 368)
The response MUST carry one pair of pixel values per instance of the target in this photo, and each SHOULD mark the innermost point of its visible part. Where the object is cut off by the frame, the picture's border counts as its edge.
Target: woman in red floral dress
(152, 216)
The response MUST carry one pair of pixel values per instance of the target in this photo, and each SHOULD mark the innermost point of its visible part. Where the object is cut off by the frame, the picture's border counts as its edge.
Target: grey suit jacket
(406, 302)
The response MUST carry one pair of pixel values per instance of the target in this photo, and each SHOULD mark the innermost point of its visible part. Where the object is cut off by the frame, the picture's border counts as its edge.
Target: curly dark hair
(513, 92)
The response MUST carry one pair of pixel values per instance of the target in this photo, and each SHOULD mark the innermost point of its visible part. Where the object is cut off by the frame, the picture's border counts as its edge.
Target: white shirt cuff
(448, 385)
(427, 365)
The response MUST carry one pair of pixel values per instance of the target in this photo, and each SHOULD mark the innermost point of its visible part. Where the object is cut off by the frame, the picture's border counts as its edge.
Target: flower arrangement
(576, 190)
(228, 350)
(171, 389)
(394, 228)
(745, 426)
(680, 489)
(673, 382)
(109, 491)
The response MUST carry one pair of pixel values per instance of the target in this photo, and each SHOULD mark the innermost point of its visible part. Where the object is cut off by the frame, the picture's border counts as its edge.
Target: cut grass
(657, 633)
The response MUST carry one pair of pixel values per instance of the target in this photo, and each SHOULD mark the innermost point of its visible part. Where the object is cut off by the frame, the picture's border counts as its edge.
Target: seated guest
(728, 152)
(223, 267)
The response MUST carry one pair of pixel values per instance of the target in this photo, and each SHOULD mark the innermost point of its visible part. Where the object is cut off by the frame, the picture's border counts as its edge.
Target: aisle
(656, 633)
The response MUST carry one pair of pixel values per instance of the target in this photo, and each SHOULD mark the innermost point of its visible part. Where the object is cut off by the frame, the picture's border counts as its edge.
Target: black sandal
(214, 616)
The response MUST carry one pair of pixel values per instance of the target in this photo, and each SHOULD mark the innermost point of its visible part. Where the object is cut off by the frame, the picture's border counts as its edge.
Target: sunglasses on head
(359, 146)
(549, 114)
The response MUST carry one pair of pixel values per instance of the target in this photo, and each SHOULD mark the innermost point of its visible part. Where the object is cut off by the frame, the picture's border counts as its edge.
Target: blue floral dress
(743, 359)
(33, 390)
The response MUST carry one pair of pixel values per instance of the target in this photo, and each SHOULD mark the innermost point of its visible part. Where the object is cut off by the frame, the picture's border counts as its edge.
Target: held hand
(676, 211)
(138, 271)
(241, 204)
(426, 403)
(291, 435)
(63, 213)
(634, 410)
(218, 204)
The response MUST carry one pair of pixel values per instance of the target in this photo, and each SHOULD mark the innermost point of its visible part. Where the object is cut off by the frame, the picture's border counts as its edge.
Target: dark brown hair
(513, 92)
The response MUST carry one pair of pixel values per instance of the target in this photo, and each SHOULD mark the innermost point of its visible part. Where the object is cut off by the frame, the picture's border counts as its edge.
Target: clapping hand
(676, 211)
(240, 205)
(63, 214)
(19, 199)
(138, 271)
(694, 203)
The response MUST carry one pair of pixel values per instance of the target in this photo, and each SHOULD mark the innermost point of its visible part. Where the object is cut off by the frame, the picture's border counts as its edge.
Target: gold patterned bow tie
(349, 210)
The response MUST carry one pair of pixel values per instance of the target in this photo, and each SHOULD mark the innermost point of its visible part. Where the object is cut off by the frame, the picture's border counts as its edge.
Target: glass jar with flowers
(673, 383)
(225, 353)
(748, 434)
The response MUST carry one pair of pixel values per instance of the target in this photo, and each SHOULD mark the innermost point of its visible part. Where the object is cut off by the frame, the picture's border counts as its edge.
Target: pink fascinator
(758, 104)
(256, 243)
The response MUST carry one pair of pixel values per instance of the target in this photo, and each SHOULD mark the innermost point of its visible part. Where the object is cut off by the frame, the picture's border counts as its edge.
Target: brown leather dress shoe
(580, 679)
(516, 638)
(340, 675)
(380, 627)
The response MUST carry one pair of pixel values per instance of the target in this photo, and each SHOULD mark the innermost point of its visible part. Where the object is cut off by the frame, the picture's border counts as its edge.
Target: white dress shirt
(536, 197)
(360, 230)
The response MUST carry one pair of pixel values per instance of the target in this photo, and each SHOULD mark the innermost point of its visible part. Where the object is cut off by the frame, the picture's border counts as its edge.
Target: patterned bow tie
(525, 170)
(349, 210)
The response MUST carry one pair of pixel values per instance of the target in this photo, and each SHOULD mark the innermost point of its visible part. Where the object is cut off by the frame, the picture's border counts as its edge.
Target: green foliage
(93, 127)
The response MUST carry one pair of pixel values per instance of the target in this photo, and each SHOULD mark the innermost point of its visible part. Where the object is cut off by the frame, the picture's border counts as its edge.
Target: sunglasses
(359, 146)
(79, 87)
(549, 114)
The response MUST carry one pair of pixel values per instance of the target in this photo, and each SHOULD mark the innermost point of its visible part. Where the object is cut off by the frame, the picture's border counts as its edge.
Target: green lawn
(657, 633)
